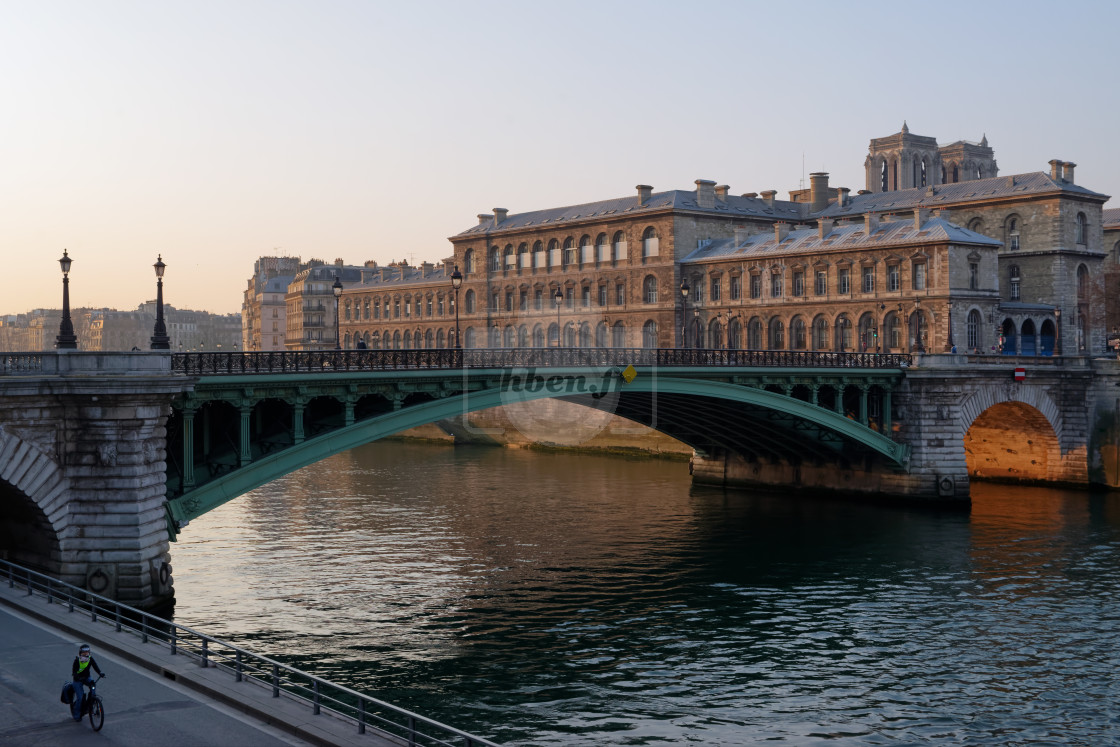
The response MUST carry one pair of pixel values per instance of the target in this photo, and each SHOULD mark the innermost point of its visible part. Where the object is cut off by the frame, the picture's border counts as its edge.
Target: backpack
(67, 696)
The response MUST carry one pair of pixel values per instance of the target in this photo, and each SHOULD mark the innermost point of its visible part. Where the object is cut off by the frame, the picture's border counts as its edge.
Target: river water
(563, 599)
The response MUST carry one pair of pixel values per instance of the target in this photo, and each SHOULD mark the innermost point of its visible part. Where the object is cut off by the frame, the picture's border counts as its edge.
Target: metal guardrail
(330, 361)
(318, 694)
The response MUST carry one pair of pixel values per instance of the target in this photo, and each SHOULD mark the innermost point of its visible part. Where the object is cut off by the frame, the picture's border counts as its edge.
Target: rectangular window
(569, 297)
(920, 276)
(602, 295)
(620, 250)
(439, 306)
(715, 289)
(538, 258)
(429, 306)
(799, 283)
(494, 301)
(756, 286)
(1015, 289)
(524, 301)
(820, 285)
(650, 247)
(868, 279)
(775, 285)
(736, 287)
(620, 295)
(973, 276)
(844, 281)
(894, 281)
(554, 257)
(585, 296)
(509, 300)
(698, 293)
(538, 299)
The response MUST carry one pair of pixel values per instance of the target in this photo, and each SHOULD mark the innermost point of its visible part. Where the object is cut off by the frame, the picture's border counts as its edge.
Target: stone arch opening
(1011, 442)
(26, 534)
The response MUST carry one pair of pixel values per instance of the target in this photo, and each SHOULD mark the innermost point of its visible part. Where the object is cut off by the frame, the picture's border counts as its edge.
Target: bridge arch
(1012, 436)
(33, 504)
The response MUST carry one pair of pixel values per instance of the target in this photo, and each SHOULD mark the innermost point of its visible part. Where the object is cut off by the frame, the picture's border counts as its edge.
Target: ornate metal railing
(315, 693)
(328, 361)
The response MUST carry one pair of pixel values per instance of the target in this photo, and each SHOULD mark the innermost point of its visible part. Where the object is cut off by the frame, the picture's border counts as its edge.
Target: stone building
(611, 273)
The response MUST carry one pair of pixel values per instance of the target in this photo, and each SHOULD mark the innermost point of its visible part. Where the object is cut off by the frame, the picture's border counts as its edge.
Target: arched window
(649, 288)
(1007, 338)
(569, 252)
(820, 333)
(493, 337)
(439, 338)
(538, 336)
(428, 339)
(843, 333)
(923, 165)
(509, 337)
(619, 246)
(695, 334)
(1082, 283)
(397, 340)
(894, 331)
(407, 340)
(1082, 225)
(511, 257)
(715, 334)
(570, 331)
(650, 246)
(866, 339)
(973, 329)
(734, 334)
(468, 337)
(585, 335)
(523, 257)
(602, 335)
(1026, 337)
(956, 174)
(495, 259)
(539, 260)
(884, 181)
(603, 249)
(777, 336)
(586, 250)
(754, 334)
(977, 225)
(468, 301)
(649, 334)
(618, 335)
(944, 180)
(797, 333)
(468, 262)
(553, 253)
(1012, 238)
(522, 336)
(554, 335)
(346, 341)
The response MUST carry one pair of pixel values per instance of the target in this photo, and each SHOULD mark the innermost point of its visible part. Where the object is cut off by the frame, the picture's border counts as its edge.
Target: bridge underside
(234, 448)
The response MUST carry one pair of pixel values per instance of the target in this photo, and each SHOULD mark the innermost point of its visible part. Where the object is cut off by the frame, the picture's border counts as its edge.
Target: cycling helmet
(83, 652)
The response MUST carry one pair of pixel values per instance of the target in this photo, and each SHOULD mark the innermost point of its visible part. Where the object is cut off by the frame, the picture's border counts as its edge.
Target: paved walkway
(151, 697)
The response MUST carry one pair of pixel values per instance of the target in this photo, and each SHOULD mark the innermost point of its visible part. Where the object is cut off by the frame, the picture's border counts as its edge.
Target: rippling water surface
(546, 599)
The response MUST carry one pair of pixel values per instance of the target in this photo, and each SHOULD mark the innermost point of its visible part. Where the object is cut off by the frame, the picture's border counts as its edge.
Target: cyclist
(83, 662)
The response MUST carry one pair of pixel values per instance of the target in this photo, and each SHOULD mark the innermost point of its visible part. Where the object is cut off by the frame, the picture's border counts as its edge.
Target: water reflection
(559, 599)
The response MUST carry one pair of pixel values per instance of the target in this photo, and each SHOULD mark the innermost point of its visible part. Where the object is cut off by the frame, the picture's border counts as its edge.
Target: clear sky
(217, 132)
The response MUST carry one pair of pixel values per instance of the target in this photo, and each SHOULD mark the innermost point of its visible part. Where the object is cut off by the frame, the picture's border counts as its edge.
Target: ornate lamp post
(559, 299)
(457, 283)
(160, 340)
(684, 313)
(66, 339)
(920, 348)
(952, 346)
(337, 288)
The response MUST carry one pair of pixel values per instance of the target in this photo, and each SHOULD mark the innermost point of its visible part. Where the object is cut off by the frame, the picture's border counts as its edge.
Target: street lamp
(66, 339)
(952, 346)
(559, 299)
(918, 325)
(456, 283)
(160, 340)
(337, 288)
(1058, 332)
(684, 313)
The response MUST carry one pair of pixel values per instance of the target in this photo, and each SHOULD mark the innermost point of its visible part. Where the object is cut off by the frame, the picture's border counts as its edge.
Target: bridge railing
(314, 692)
(329, 361)
(17, 363)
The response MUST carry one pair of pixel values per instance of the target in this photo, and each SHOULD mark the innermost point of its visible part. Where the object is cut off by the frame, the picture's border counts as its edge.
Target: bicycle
(92, 705)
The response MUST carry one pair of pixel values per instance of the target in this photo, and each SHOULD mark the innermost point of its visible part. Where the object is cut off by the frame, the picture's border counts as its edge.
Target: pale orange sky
(217, 132)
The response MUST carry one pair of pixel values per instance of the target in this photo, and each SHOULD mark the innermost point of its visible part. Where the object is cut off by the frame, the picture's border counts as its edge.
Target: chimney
(705, 193)
(870, 223)
(741, 235)
(781, 230)
(1055, 169)
(426, 269)
(942, 213)
(499, 216)
(338, 262)
(825, 227)
(843, 197)
(1067, 171)
(768, 197)
(921, 215)
(484, 218)
(751, 195)
(721, 192)
(644, 191)
(386, 273)
(818, 190)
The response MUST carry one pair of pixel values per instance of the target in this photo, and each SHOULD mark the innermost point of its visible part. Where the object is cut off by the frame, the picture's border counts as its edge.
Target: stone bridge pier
(82, 471)
(968, 418)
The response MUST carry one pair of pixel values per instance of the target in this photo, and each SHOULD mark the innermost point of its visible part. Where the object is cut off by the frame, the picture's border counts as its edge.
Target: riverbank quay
(238, 682)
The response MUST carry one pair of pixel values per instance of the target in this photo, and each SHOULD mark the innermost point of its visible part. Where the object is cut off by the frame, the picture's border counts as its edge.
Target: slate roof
(619, 207)
(948, 194)
(1111, 218)
(847, 236)
(278, 284)
(400, 276)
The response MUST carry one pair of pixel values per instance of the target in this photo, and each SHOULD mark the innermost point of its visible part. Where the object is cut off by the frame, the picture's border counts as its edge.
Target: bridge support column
(246, 428)
(188, 448)
(863, 404)
(815, 389)
(298, 435)
(887, 410)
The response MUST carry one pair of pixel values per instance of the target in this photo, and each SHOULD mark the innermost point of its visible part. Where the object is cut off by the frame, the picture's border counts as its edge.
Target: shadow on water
(545, 598)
